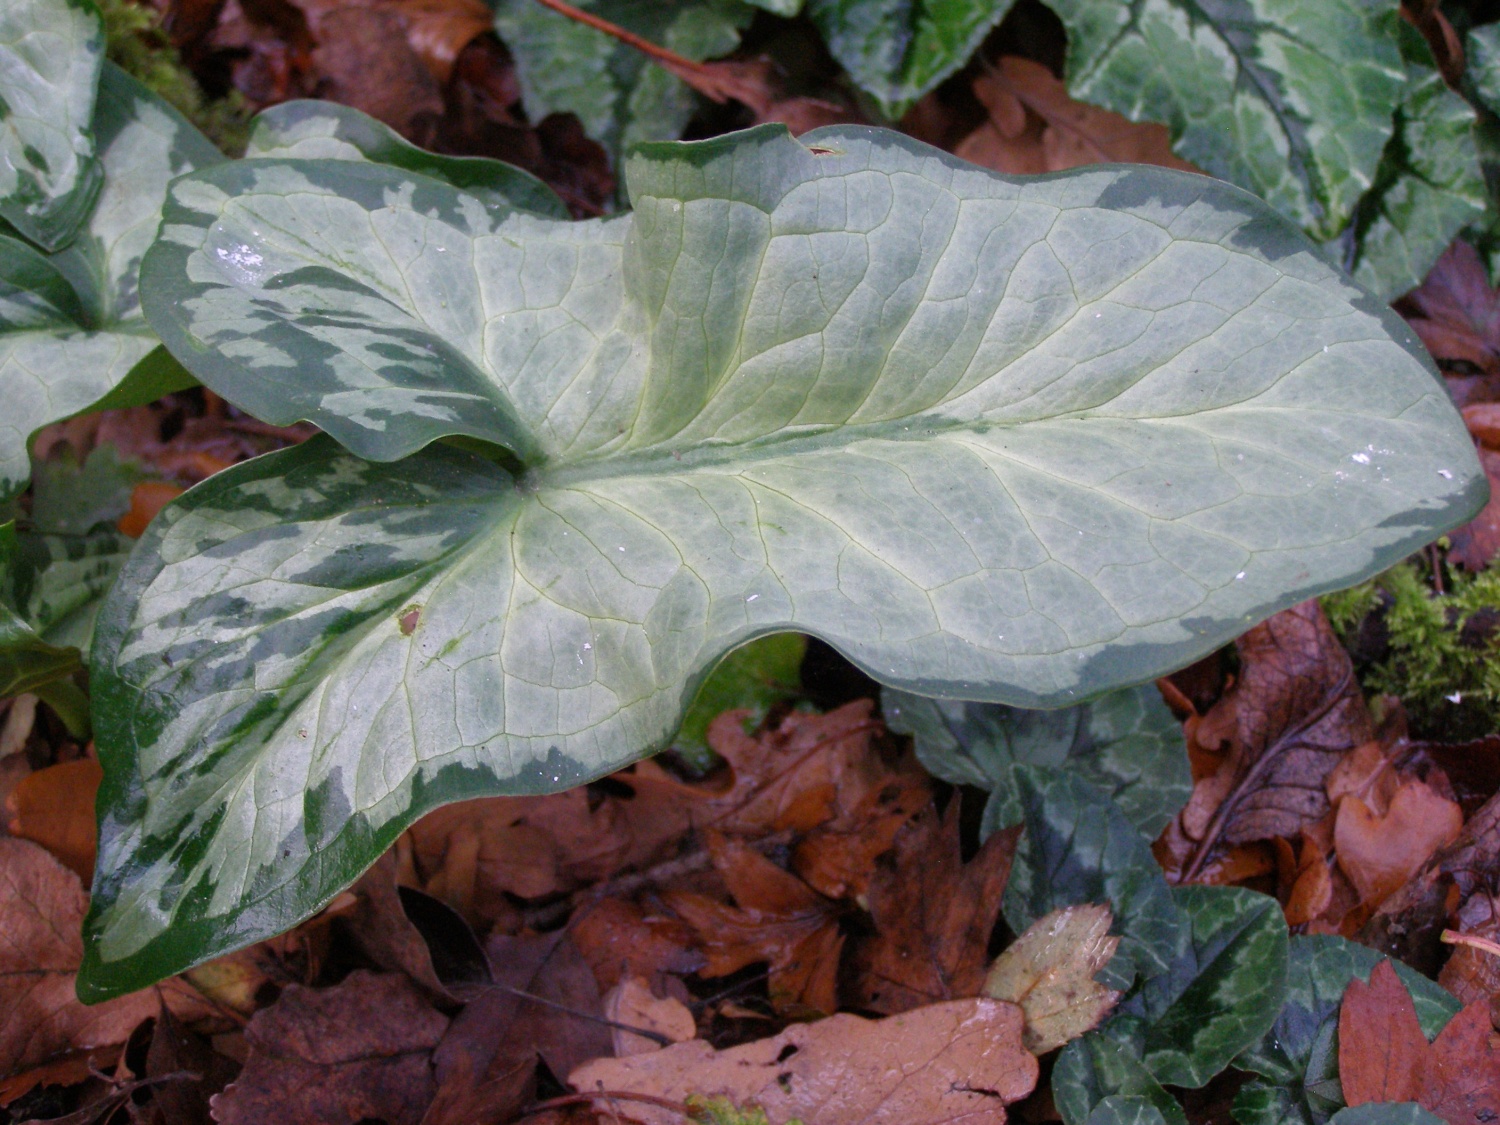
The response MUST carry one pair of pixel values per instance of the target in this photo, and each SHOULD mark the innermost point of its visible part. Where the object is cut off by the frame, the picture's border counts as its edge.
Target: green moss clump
(1438, 653)
(138, 45)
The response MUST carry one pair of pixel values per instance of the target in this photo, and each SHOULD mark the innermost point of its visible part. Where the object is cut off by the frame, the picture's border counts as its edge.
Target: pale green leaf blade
(1292, 101)
(1222, 994)
(69, 342)
(1297, 1058)
(1079, 848)
(898, 50)
(957, 425)
(753, 676)
(312, 130)
(50, 55)
(1126, 743)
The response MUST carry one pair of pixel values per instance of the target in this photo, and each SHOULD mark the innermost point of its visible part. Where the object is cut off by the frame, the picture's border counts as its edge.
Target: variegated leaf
(71, 328)
(1012, 440)
(327, 130)
(50, 55)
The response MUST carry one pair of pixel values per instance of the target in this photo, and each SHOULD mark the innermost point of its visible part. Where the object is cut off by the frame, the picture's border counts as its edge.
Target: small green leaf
(1482, 64)
(755, 675)
(1127, 743)
(1292, 101)
(1078, 847)
(1105, 1065)
(1427, 188)
(50, 55)
(1021, 441)
(1222, 994)
(898, 50)
(619, 96)
(329, 131)
(1298, 1056)
(1126, 1109)
(72, 499)
(1386, 1113)
(26, 661)
(71, 328)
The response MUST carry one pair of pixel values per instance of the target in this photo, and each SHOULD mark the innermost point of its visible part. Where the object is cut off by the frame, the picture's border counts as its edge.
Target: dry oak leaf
(1035, 126)
(1285, 723)
(1456, 313)
(955, 1063)
(359, 1050)
(1380, 851)
(933, 914)
(619, 938)
(630, 1003)
(778, 919)
(54, 807)
(1049, 971)
(1383, 1056)
(42, 905)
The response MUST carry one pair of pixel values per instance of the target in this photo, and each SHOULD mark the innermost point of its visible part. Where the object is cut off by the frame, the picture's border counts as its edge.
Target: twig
(655, 1036)
(584, 1099)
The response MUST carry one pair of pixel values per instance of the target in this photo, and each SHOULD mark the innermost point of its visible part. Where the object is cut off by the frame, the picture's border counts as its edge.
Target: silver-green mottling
(1020, 441)
(50, 56)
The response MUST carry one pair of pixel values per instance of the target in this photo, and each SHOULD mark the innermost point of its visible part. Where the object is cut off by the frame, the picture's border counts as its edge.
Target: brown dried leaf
(1456, 313)
(1380, 851)
(41, 946)
(174, 1050)
(778, 919)
(631, 1003)
(1476, 542)
(1049, 971)
(933, 915)
(1461, 1081)
(620, 938)
(54, 807)
(956, 1063)
(383, 932)
(1474, 974)
(1382, 1050)
(361, 1049)
(1285, 723)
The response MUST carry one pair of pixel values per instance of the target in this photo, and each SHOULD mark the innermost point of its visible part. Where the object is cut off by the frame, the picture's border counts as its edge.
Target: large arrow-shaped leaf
(50, 55)
(1011, 440)
(71, 327)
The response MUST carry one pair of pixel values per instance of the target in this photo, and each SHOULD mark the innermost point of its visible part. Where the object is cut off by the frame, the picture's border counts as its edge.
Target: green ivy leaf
(957, 425)
(1298, 1056)
(1079, 847)
(898, 50)
(326, 130)
(1222, 994)
(619, 96)
(68, 498)
(1126, 743)
(71, 328)
(50, 55)
(1292, 101)
(1126, 1109)
(1386, 1113)
(1104, 1066)
(1427, 188)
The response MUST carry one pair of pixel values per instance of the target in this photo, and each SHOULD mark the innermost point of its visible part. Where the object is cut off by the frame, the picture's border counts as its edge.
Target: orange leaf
(55, 808)
(1379, 853)
(1381, 1046)
(148, 498)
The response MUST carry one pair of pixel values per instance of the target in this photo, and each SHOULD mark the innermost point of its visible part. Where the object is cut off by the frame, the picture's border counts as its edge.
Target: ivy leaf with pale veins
(1126, 1109)
(1297, 1058)
(1428, 186)
(1292, 101)
(1127, 743)
(1222, 994)
(898, 50)
(1104, 1065)
(1385, 1113)
(618, 95)
(961, 427)
(1079, 848)
(72, 334)
(1289, 718)
(50, 56)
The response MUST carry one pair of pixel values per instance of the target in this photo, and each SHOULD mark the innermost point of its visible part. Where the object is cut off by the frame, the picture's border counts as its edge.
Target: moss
(138, 45)
(721, 1111)
(1438, 653)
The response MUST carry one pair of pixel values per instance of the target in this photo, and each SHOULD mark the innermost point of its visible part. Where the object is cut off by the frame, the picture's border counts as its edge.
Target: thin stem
(1452, 937)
